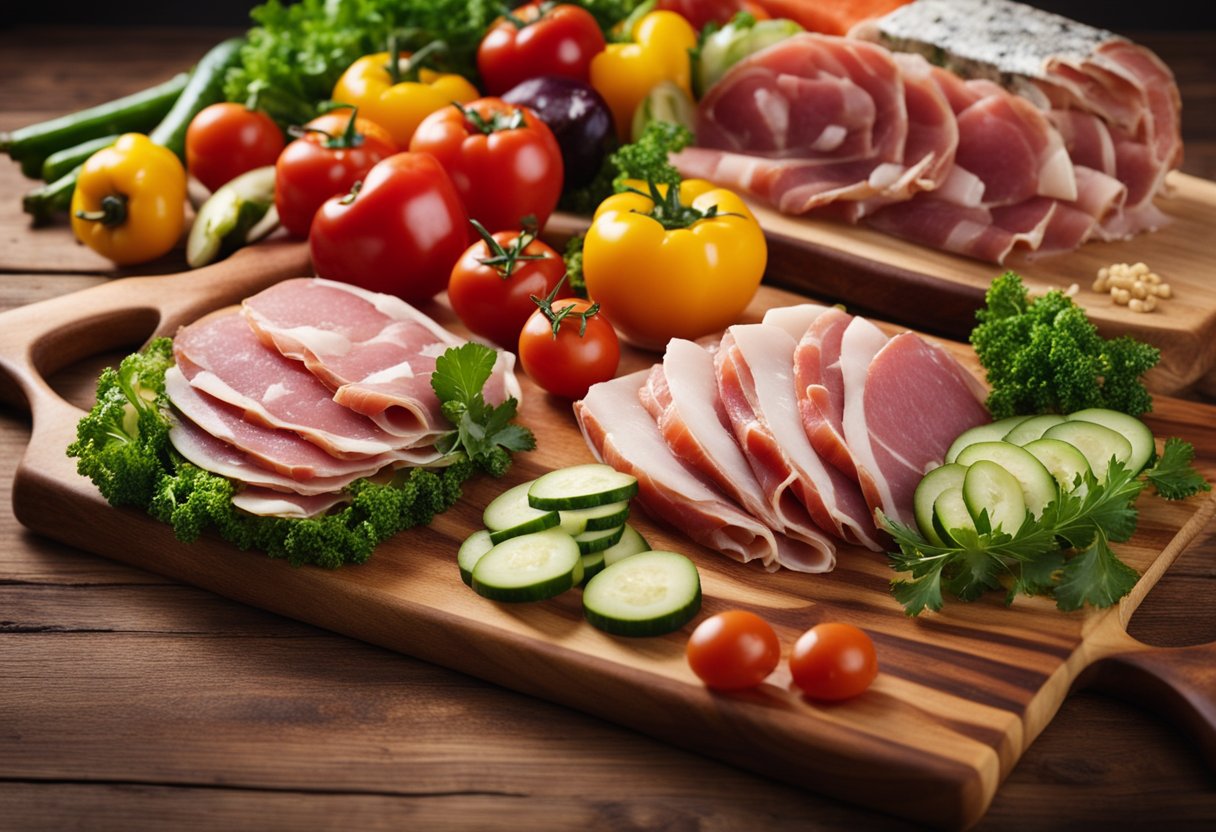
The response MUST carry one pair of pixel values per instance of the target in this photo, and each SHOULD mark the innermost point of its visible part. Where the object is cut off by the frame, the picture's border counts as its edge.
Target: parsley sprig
(483, 432)
(1065, 553)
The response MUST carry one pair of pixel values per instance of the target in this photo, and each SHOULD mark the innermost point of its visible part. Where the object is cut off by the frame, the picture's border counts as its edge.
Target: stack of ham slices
(308, 386)
(1074, 145)
(782, 439)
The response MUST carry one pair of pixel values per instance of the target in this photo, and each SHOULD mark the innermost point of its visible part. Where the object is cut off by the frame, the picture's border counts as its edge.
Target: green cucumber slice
(593, 564)
(1038, 485)
(928, 490)
(1032, 428)
(647, 594)
(1144, 447)
(607, 516)
(581, 486)
(982, 433)
(509, 515)
(598, 540)
(1099, 444)
(1062, 461)
(529, 567)
(471, 551)
(989, 487)
(950, 514)
(631, 543)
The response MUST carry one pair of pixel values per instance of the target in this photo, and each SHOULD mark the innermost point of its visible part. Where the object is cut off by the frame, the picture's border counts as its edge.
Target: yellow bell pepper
(625, 72)
(129, 202)
(681, 262)
(399, 92)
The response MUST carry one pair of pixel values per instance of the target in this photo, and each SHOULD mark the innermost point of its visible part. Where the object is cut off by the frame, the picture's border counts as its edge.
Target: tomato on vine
(566, 346)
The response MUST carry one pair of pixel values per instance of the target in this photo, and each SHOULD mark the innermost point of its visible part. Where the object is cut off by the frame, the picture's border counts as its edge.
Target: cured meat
(375, 351)
(279, 450)
(269, 503)
(754, 367)
(220, 355)
(681, 394)
(905, 401)
(622, 434)
(817, 119)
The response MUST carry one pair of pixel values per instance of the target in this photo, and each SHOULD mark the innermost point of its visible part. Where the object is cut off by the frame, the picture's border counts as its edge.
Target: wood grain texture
(961, 694)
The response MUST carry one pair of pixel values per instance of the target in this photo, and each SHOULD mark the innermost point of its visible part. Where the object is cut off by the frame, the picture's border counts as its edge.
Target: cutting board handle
(1176, 681)
(42, 338)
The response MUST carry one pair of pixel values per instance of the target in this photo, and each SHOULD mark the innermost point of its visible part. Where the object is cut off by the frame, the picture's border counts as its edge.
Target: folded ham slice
(622, 434)
(905, 401)
(375, 351)
(681, 393)
(263, 501)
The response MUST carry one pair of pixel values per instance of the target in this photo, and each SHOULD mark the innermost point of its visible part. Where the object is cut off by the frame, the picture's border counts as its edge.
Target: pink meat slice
(211, 454)
(280, 450)
(620, 432)
(906, 400)
(375, 351)
(681, 394)
(268, 503)
(220, 355)
(754, 367)
(819, 384)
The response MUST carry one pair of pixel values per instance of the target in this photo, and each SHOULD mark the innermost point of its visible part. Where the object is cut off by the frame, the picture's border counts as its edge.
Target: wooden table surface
(128, 701)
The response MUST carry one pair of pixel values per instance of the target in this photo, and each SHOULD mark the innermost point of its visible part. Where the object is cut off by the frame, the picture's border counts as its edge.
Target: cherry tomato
(538, 39)
(566, 346)
(733, 650)
(398, 233)
(225, 140)
(833, 661)
(492, 284)
(504, 160)
(328, 158)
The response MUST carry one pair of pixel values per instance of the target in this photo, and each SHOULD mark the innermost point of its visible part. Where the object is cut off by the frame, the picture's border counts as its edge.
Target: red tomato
(701, 12)
(733, 650)
(491, 287)
(399, 233)
(504, 160)
(325, 161)
(561, 358)
(538, 39)
(833, 661)
(225, 140)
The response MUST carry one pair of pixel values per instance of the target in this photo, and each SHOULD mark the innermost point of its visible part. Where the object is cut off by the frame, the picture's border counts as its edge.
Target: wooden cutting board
(960, 694)
(939, 292)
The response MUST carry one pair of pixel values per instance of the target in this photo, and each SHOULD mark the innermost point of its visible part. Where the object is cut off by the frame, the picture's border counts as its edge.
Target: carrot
(832, 17)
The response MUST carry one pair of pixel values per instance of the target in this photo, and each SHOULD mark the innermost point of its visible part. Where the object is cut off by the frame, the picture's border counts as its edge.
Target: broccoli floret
(1046, 356)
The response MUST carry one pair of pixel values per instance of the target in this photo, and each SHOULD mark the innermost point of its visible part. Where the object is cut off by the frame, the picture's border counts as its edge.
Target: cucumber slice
(648, 594)
(509, 515)
(1032, 428)
(471, 551)
(631, 543)
(989, 487)
(593, 564)
(1144, 447)
(1038, 485)
(529, 567)
(990, 432)
(607, 516)
(1062, 461)
(931, 486)
(950, 514)
(599, 540)
(581, 486)
(1099, 444)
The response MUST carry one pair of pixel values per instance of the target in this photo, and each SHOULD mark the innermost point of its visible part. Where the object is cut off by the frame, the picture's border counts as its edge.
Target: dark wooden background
(131, 702)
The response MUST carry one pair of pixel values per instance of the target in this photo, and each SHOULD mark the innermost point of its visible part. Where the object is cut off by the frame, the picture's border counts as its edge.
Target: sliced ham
(220, 355)
(375, 351)
(681, 394)
(622, 434)
(268, 503)
(754, 368)
(905, 401)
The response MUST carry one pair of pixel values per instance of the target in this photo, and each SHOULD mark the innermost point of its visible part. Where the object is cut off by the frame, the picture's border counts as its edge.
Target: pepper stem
(113, 211)
(414, 64)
